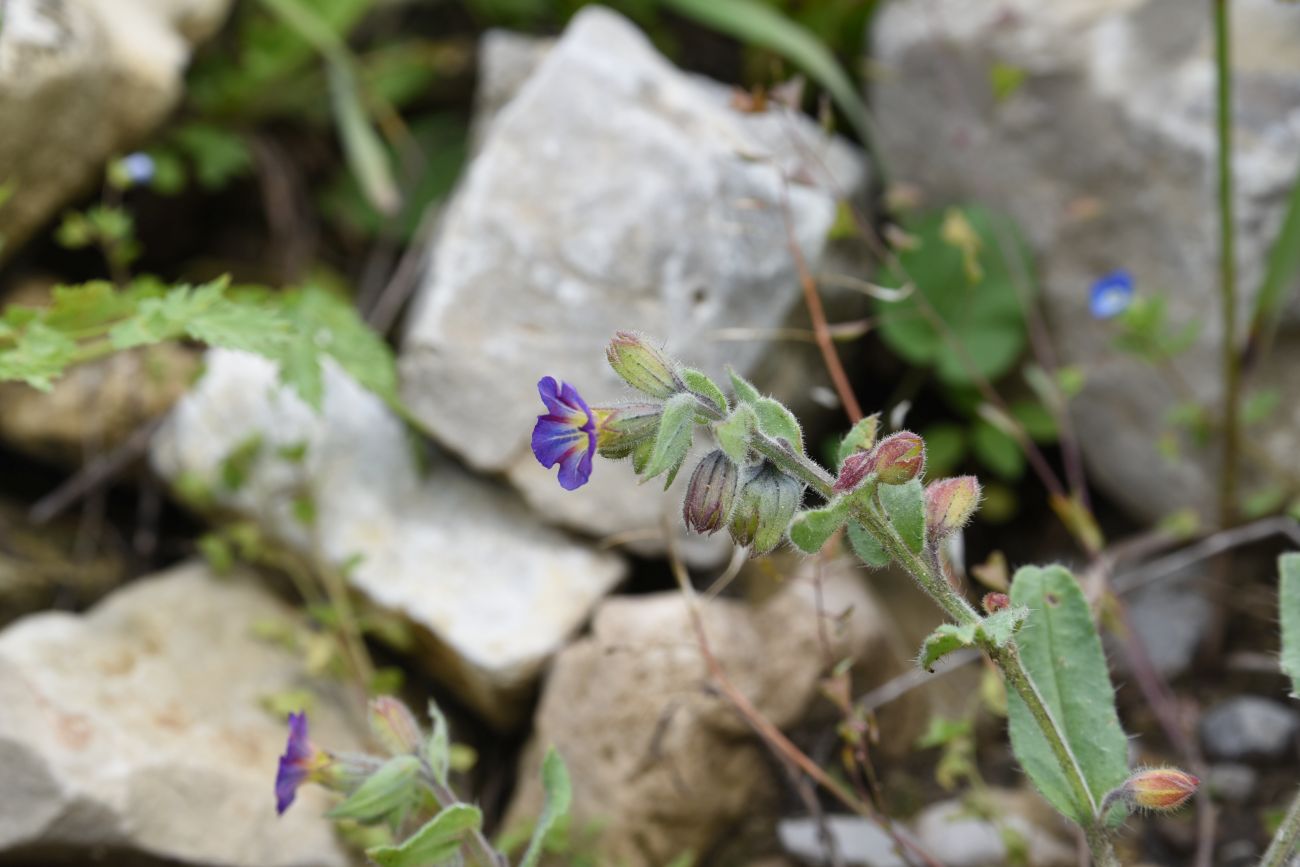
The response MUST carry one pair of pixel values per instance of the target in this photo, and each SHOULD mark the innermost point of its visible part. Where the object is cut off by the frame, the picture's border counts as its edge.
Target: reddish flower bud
(394, 726)
(899, 458)
(854, 469)
(995, 602)
(949, 504)
(710, 494)
(1161, 789)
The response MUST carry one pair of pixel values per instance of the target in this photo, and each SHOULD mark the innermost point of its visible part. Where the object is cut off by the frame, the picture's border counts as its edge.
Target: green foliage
(733, 433)
(810, 530)
(437, 841)
(964, 317)
(1144, 331)
(387, 794)
(867, 547)
(1281, 275)
(1288, 567)
(860, 438)
(1062, 654)
(706, 388)
(437, 751)
(745, 392)
(778, 422)
(558, 794)
(994, 631)
(905, 506)
(673, 441)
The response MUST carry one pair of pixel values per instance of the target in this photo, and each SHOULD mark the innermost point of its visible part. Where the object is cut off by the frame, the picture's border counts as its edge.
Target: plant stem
(442, 793)
(1227, 273)
(1286, 838)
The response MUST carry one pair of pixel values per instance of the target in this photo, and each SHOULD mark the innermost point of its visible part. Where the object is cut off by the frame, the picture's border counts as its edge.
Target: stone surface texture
(492, 591)
(81, 80)
(659, 761)
(611, 192)
(135, 734)
(1250, 728)
(957, 837)
(1105, 156)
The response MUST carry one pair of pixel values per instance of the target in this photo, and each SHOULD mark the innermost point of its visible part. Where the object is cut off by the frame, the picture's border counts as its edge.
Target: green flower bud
(620, 429)
(710, 494)
(394, 726)
(898, 458)
(949, 504)
(643, 365)
(765, 504)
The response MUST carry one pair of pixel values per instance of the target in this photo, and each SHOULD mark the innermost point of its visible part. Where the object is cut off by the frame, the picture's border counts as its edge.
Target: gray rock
(136, 731)
(492, 592)
(857, 841)
(659, 762)
(1105, 157)
(611, 192)
(958, 838)
(1249, 728)
(1233, 782)
(79, 81)
(1172, 621)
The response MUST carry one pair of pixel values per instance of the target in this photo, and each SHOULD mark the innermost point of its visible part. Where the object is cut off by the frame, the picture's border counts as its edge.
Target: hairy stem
(1286, 838)
(483, 852)
(1227, 273)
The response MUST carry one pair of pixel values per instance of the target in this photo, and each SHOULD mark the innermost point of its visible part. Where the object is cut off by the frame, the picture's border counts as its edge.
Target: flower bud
(620, 429)
(1161, 789)
(949, 504)
(643, 365)
(394, 726)
(710, 494)
(898, 458)
(765, 504)
(855, 468)
(994, 602)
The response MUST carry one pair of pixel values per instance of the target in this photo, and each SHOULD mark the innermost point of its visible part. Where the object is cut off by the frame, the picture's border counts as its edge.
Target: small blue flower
(139, 167)
(301, 763)
(1111, 295)
(566, 435)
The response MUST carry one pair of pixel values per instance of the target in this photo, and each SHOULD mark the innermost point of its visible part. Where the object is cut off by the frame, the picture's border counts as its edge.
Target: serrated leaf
(558, 794)
(809, 530)
(388, 792)
(1288, 567)
(778, 422)
(1062, 654)
(733, 432)
(706, 388)
(745, 392)
(676, 432)
(439, 839)
(860, 438)
(905, 506)
(864, 544)
(38, 357)
(437, 751)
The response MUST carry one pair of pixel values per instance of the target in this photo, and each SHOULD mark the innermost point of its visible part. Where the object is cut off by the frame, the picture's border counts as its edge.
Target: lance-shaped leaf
(734, 431)
(704, 387)
(437, 751)
(1288, 566)
(745, 391)
(860, 438)
(810, 530)
(778, 422)
(676, 431)
(996, 629)
(438, 840)
(388, 792)
(1062, 654)
(558, 794)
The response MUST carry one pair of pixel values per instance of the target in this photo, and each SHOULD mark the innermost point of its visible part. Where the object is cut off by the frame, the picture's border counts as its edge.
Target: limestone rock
(958, 838)
(661, 763)
(1250, 728)
(79, 81)
(491, 591)
(1105, 157)
(857, 841)
(135, 732)
(612, 191)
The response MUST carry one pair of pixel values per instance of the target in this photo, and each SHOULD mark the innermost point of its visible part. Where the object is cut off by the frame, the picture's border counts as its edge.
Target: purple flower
(566, 435)
(1111, 295)
(139, 167)
(301, 763)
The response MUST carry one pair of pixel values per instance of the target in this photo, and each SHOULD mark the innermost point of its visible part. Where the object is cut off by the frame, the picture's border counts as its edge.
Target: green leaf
(558, 793)
(388, 792)
(760, 24)
(946, 638)
(864, 544)
(905, 506)
(733, 432)
(860, 438)
(810, 530)
(437, 840)
(362, 145)
(970, 287)
(1062, 654)
(1280, 277)
(676, 432)
(39, 356)
(219, 155)
(1288, 567)
(1001, 626)
(945, 447)
(326, 324)
(997, 450)
(777, 421)
(706, 388)
(437, 751)
(745, 392)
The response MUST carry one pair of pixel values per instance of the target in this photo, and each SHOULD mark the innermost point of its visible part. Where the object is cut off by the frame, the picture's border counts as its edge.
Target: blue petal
(1111, 295)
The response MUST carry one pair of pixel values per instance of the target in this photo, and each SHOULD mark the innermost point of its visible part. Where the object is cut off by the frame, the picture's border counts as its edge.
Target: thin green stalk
(1227, 273)
(442, 793)
(1103, 853)
(1286, 839)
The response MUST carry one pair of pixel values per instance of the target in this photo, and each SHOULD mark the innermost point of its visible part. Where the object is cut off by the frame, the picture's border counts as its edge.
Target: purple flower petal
(1111, 295)
(295, 764)
(566, 435)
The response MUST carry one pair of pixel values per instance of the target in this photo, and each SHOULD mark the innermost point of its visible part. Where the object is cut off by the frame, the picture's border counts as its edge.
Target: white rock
(493, 590)
(79, 81)
(1106, 158)
(858, 842)
(958, 838)
(612, 191)
(136, 731)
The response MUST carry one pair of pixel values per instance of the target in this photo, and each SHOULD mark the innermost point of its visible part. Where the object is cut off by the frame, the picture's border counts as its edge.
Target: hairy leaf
(439, 839)
(864, 544)
(1288, 566)
(676, 431)
(810, 530)
(777, 421)
(706, 388)
(733, 433)
(558, 794)
(905, 506)
(745, 392)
